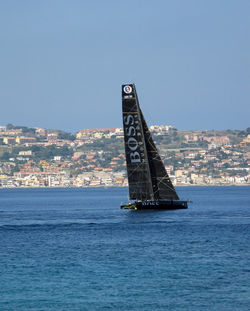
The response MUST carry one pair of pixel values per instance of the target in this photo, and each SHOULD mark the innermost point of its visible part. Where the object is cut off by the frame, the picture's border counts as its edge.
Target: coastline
(117, 186)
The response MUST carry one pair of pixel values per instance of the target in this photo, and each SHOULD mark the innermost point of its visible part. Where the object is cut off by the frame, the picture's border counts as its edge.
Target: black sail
(162, 185)
(139, 179)
(147, 176)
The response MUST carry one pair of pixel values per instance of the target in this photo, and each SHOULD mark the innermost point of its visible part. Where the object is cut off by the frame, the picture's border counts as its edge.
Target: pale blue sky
(62, 62)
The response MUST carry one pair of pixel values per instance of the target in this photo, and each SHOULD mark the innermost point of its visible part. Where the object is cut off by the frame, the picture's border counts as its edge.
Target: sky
(62, 62)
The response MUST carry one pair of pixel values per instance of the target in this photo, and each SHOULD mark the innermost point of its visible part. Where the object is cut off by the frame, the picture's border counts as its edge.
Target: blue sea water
(74, 249)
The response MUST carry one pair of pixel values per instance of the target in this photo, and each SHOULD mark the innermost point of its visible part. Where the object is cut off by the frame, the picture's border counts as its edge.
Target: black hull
(156, 205)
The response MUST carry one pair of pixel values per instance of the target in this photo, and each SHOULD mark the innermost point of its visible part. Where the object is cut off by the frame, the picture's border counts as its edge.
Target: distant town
(38, 157)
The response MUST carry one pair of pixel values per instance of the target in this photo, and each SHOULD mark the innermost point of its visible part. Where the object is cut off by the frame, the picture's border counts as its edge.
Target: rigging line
(162, 182)
(138, 166)
(157, 159)
(150, 140)
(165, 176)
(154, 151)
(172, 189)
(152, 145)
(157, 156)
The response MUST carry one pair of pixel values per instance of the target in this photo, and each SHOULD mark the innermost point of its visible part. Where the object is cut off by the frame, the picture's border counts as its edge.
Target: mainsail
(140, 184)
(147, 176)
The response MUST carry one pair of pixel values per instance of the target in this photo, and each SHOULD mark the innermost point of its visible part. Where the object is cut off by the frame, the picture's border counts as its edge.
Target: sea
(75, 249)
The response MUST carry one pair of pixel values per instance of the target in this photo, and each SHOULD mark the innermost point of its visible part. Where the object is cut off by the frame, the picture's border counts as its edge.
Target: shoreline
(116, 186)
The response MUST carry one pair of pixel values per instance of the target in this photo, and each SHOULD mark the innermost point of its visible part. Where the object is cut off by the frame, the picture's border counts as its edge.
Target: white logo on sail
(127, 89)
(133, 144)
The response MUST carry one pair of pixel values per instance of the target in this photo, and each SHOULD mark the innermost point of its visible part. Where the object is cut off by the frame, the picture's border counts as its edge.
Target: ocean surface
(74, 249)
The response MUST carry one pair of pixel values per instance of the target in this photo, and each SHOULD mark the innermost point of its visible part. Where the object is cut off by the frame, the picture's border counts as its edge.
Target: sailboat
(149, 184)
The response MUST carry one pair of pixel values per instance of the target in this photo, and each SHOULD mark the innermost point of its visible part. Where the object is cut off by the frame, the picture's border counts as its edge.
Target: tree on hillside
(5, 156)
(67, 136)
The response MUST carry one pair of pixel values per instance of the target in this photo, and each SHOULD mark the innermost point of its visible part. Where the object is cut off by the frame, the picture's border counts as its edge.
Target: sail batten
(147, 176)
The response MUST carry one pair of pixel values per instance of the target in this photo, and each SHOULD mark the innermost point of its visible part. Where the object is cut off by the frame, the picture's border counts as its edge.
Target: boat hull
(156, 205)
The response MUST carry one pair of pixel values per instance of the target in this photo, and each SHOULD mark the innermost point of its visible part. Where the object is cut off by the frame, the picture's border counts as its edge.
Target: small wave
(81, 224)
(44, 226)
